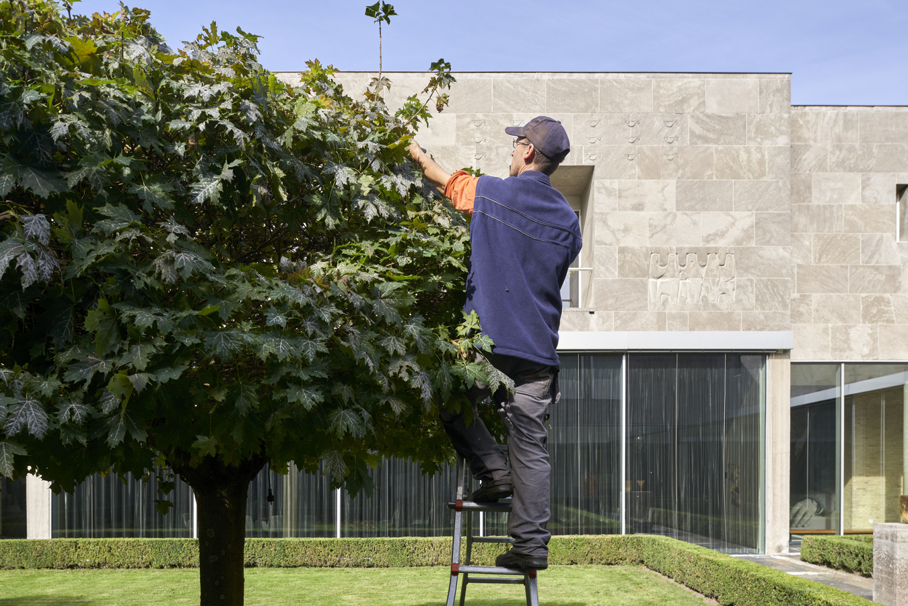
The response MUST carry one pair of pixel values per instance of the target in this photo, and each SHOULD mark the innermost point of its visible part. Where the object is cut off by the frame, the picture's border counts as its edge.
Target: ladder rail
(461, 562)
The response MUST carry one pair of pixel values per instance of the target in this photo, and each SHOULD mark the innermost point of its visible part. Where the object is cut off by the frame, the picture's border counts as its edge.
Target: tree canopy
(203, 265)
(199, 258)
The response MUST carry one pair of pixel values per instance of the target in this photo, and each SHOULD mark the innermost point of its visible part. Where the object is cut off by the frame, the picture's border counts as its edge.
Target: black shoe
(519, 561)
(489, 492)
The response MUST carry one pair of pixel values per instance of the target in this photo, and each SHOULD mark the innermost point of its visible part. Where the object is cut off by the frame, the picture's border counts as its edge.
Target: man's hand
(436, 175)
(416, 151)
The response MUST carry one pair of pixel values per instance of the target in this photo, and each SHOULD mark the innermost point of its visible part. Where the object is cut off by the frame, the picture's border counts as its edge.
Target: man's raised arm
(436, 175)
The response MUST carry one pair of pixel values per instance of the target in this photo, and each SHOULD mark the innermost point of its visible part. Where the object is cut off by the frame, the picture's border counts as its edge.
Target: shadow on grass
(499, 602)
(46, 601)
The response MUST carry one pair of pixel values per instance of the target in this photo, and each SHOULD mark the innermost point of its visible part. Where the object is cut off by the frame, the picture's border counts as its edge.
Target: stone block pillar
(37, 498)
(890, 564)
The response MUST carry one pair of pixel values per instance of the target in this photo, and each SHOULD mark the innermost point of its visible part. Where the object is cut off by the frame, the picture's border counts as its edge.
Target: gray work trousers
(524, 414)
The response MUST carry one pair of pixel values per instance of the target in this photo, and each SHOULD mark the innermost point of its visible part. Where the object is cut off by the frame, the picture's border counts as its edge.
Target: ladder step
(504, 507)
(490, 570)
(492, 540)
(501, 580)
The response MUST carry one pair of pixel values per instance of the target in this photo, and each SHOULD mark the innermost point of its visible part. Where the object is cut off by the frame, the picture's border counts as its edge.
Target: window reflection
(813, 496)
(12, 509)
(108, 507)
(694, 448)
(873, 453)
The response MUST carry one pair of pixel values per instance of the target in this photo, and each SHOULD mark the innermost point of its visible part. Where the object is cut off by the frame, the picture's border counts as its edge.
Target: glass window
(12, 509)
(694, 450)
(404, 503)
(108, 507)
(873, 453)
(302, 505)
(813, 485)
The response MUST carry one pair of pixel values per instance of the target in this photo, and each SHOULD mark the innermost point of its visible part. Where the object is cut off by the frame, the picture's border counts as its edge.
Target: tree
(207, 270)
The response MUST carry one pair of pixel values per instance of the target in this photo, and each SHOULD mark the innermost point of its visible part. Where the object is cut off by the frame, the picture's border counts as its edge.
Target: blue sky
(838, 52)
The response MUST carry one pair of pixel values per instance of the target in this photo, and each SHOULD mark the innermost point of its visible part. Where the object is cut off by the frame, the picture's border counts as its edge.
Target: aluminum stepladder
(460, 563)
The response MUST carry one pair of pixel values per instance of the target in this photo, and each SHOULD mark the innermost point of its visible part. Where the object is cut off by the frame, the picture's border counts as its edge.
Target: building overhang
(766, 341)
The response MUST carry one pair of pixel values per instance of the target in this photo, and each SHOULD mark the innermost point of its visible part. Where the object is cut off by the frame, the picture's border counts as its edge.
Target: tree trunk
(220, 493)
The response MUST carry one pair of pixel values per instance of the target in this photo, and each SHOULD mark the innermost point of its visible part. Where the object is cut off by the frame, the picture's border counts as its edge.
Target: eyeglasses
(517, 142)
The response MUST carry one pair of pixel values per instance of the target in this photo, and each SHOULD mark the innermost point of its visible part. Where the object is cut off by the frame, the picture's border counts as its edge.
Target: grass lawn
(558, 586)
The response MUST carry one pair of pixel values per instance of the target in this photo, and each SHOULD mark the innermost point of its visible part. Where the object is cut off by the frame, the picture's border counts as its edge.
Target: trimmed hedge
(851, 554)
(716, 575)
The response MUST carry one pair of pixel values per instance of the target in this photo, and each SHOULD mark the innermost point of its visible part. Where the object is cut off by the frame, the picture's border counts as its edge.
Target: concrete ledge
(676, 341)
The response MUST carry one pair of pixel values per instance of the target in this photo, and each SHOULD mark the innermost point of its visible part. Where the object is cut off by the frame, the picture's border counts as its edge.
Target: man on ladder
(524, 236)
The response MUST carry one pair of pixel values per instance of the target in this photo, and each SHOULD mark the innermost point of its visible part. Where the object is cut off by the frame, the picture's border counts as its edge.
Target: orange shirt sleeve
(461, 189)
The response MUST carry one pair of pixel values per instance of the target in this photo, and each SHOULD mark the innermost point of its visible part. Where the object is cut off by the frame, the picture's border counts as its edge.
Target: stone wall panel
(621, 295)
(877, 309)
(768, 129)
(875, 278)
(519, 95)
(836, 249)
(879, 249)
(621, 229)
(811, 219)
(870, 218)
(679, 95)
(859, 342)
(732, 96)
(762, 195)
(740, 162)
(809, 158)
(775, 95)
(836, 309)
(704, 195)
(716, 129)
(646, 196)
(765, 320)
(772, 229)
(675, 229)
(817, 279)
(626, 95)
(572, 95)
(727, 228)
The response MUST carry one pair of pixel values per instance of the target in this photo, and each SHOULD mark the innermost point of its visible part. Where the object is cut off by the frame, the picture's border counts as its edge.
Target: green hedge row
(716, 575)
(852, 554)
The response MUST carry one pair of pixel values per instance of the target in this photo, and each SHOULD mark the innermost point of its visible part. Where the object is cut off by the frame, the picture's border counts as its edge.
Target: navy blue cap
(546, 135)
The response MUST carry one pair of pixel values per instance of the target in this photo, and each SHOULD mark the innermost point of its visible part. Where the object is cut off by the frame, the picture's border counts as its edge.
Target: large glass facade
(585, 446)
(640, 443)
(12, 509)
(108, 507)
(695, 447)
(847, 449)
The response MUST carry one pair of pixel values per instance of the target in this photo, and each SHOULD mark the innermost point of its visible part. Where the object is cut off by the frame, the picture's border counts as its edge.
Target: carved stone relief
(683, 282)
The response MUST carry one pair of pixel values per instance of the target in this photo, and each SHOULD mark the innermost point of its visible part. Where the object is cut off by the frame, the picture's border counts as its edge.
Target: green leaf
(206, 190)
(26, 413)
(40, 182)
(206, 446)
(163, 375)
(244, 399)
(224, 343)
(154, 193)
(7, 451)
(140, 380)
(308, 397)
(138, 355)
(345, 421)
(334, 466)
(116, 430)
(85, 369)
(103, 322)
